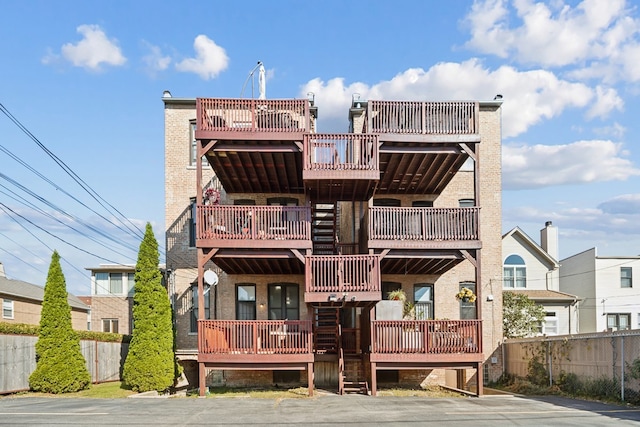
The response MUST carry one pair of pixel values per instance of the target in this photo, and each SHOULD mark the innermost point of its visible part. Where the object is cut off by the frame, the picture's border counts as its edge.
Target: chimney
(549, 239)
(2, 270)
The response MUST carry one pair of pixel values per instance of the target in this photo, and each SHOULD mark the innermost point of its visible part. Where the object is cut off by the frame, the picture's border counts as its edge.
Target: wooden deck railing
(342, 274)
(253, 222)
(344, 152)
(255, 337)
(413, 117)
(252, 115)
(426, 336)
(392, 223)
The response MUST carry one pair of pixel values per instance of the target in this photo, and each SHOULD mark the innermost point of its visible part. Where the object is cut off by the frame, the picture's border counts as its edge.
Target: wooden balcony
(420, 228)
(267, 343)
(438, 121)
(252, 119)
(424, 342)
(252, 227)
(340, 166)
(334, 279)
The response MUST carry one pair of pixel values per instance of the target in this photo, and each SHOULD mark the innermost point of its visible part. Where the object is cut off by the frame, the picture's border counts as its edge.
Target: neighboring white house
(533, 270)
(610, 296)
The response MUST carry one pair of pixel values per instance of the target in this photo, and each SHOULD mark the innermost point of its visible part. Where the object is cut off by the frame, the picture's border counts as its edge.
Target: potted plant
(466, 295)
(211, 196)
(408, 312)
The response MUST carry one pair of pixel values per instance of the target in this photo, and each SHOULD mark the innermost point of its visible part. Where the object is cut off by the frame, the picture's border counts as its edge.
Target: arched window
(514, 272)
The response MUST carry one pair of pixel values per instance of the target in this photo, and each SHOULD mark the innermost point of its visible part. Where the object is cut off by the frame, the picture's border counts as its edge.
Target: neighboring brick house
(111, 297)
(608, 287)
(533, 270)
(111, 300)
(306, 234)
(22, 303)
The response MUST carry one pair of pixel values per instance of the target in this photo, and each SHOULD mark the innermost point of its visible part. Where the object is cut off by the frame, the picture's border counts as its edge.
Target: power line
(100, 200)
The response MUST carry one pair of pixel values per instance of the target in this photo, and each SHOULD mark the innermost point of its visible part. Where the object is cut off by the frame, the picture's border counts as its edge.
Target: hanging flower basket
(466, 295)
(211, 196)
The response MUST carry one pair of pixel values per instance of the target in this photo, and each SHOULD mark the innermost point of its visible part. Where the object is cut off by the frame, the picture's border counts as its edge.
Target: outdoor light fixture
(333, 297)
(166, 94)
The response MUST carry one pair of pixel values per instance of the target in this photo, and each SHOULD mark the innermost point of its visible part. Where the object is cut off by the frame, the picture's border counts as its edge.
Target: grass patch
(111, 390)
(428, 391)
(259, 393)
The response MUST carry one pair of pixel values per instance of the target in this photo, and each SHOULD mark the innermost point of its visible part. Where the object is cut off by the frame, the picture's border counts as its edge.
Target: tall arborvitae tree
(150, 361)
(60, 368)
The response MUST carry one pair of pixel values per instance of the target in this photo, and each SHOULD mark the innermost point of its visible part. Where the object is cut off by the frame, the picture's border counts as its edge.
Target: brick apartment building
(282, 242)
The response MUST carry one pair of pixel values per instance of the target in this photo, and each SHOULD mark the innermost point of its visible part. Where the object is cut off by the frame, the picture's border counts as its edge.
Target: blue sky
(83, 82)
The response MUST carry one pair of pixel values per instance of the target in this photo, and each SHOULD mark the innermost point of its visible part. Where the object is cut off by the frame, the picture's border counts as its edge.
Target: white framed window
(131, 282)
(108, 283)
(7, 309)
(245, 301)
(626, 277)
(423, 300)
(194, 147)
(618, 321)
(514, 273)
(110, 325)
(550, 324)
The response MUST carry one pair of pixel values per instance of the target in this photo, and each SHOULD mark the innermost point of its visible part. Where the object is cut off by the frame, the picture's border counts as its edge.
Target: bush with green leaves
(521, 316)
(150, 362)
(60, 367)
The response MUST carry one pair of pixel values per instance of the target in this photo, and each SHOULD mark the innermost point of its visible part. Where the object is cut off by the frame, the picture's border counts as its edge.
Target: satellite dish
(210, 277)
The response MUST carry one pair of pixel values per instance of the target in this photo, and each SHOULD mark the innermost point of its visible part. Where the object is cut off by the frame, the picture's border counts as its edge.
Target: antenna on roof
(262, 81)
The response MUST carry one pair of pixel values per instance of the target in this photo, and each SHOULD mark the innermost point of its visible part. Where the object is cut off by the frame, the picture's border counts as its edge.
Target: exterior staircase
(352, 374)
(323, 228)
(325, 330)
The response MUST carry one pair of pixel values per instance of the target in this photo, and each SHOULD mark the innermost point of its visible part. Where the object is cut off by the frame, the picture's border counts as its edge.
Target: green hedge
(26, 329)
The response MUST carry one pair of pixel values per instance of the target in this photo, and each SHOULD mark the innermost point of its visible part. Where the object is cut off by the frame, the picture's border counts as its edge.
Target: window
(193, 327)
(466, 203)
(550, 324)
(244, 202)
(386, 202)
(514, 272)
(108, 283)
(423, 299)
(246, 302)
(626, 279)
(192, 223)
(388, 287)
(422, 204)
(618, 321)
(131, 282)
(284, 302)
(7, 309)
(468, 309)
(110, 325)
(194, 146)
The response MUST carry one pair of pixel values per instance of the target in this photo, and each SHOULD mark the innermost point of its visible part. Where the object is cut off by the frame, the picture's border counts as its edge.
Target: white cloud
(155, 61)
(529, 96)
(210, 59)
(94, 50)
(624, 204)
(599, 37)
(537, 166)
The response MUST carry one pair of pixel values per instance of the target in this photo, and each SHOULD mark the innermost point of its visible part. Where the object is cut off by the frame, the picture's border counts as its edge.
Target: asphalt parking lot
(349, 410)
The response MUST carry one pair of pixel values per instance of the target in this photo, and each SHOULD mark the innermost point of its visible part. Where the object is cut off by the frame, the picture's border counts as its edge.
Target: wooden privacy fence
(610, 358)
(104, 361)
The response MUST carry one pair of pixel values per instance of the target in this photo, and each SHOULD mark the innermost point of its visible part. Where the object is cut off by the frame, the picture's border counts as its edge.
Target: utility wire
(134, 229)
